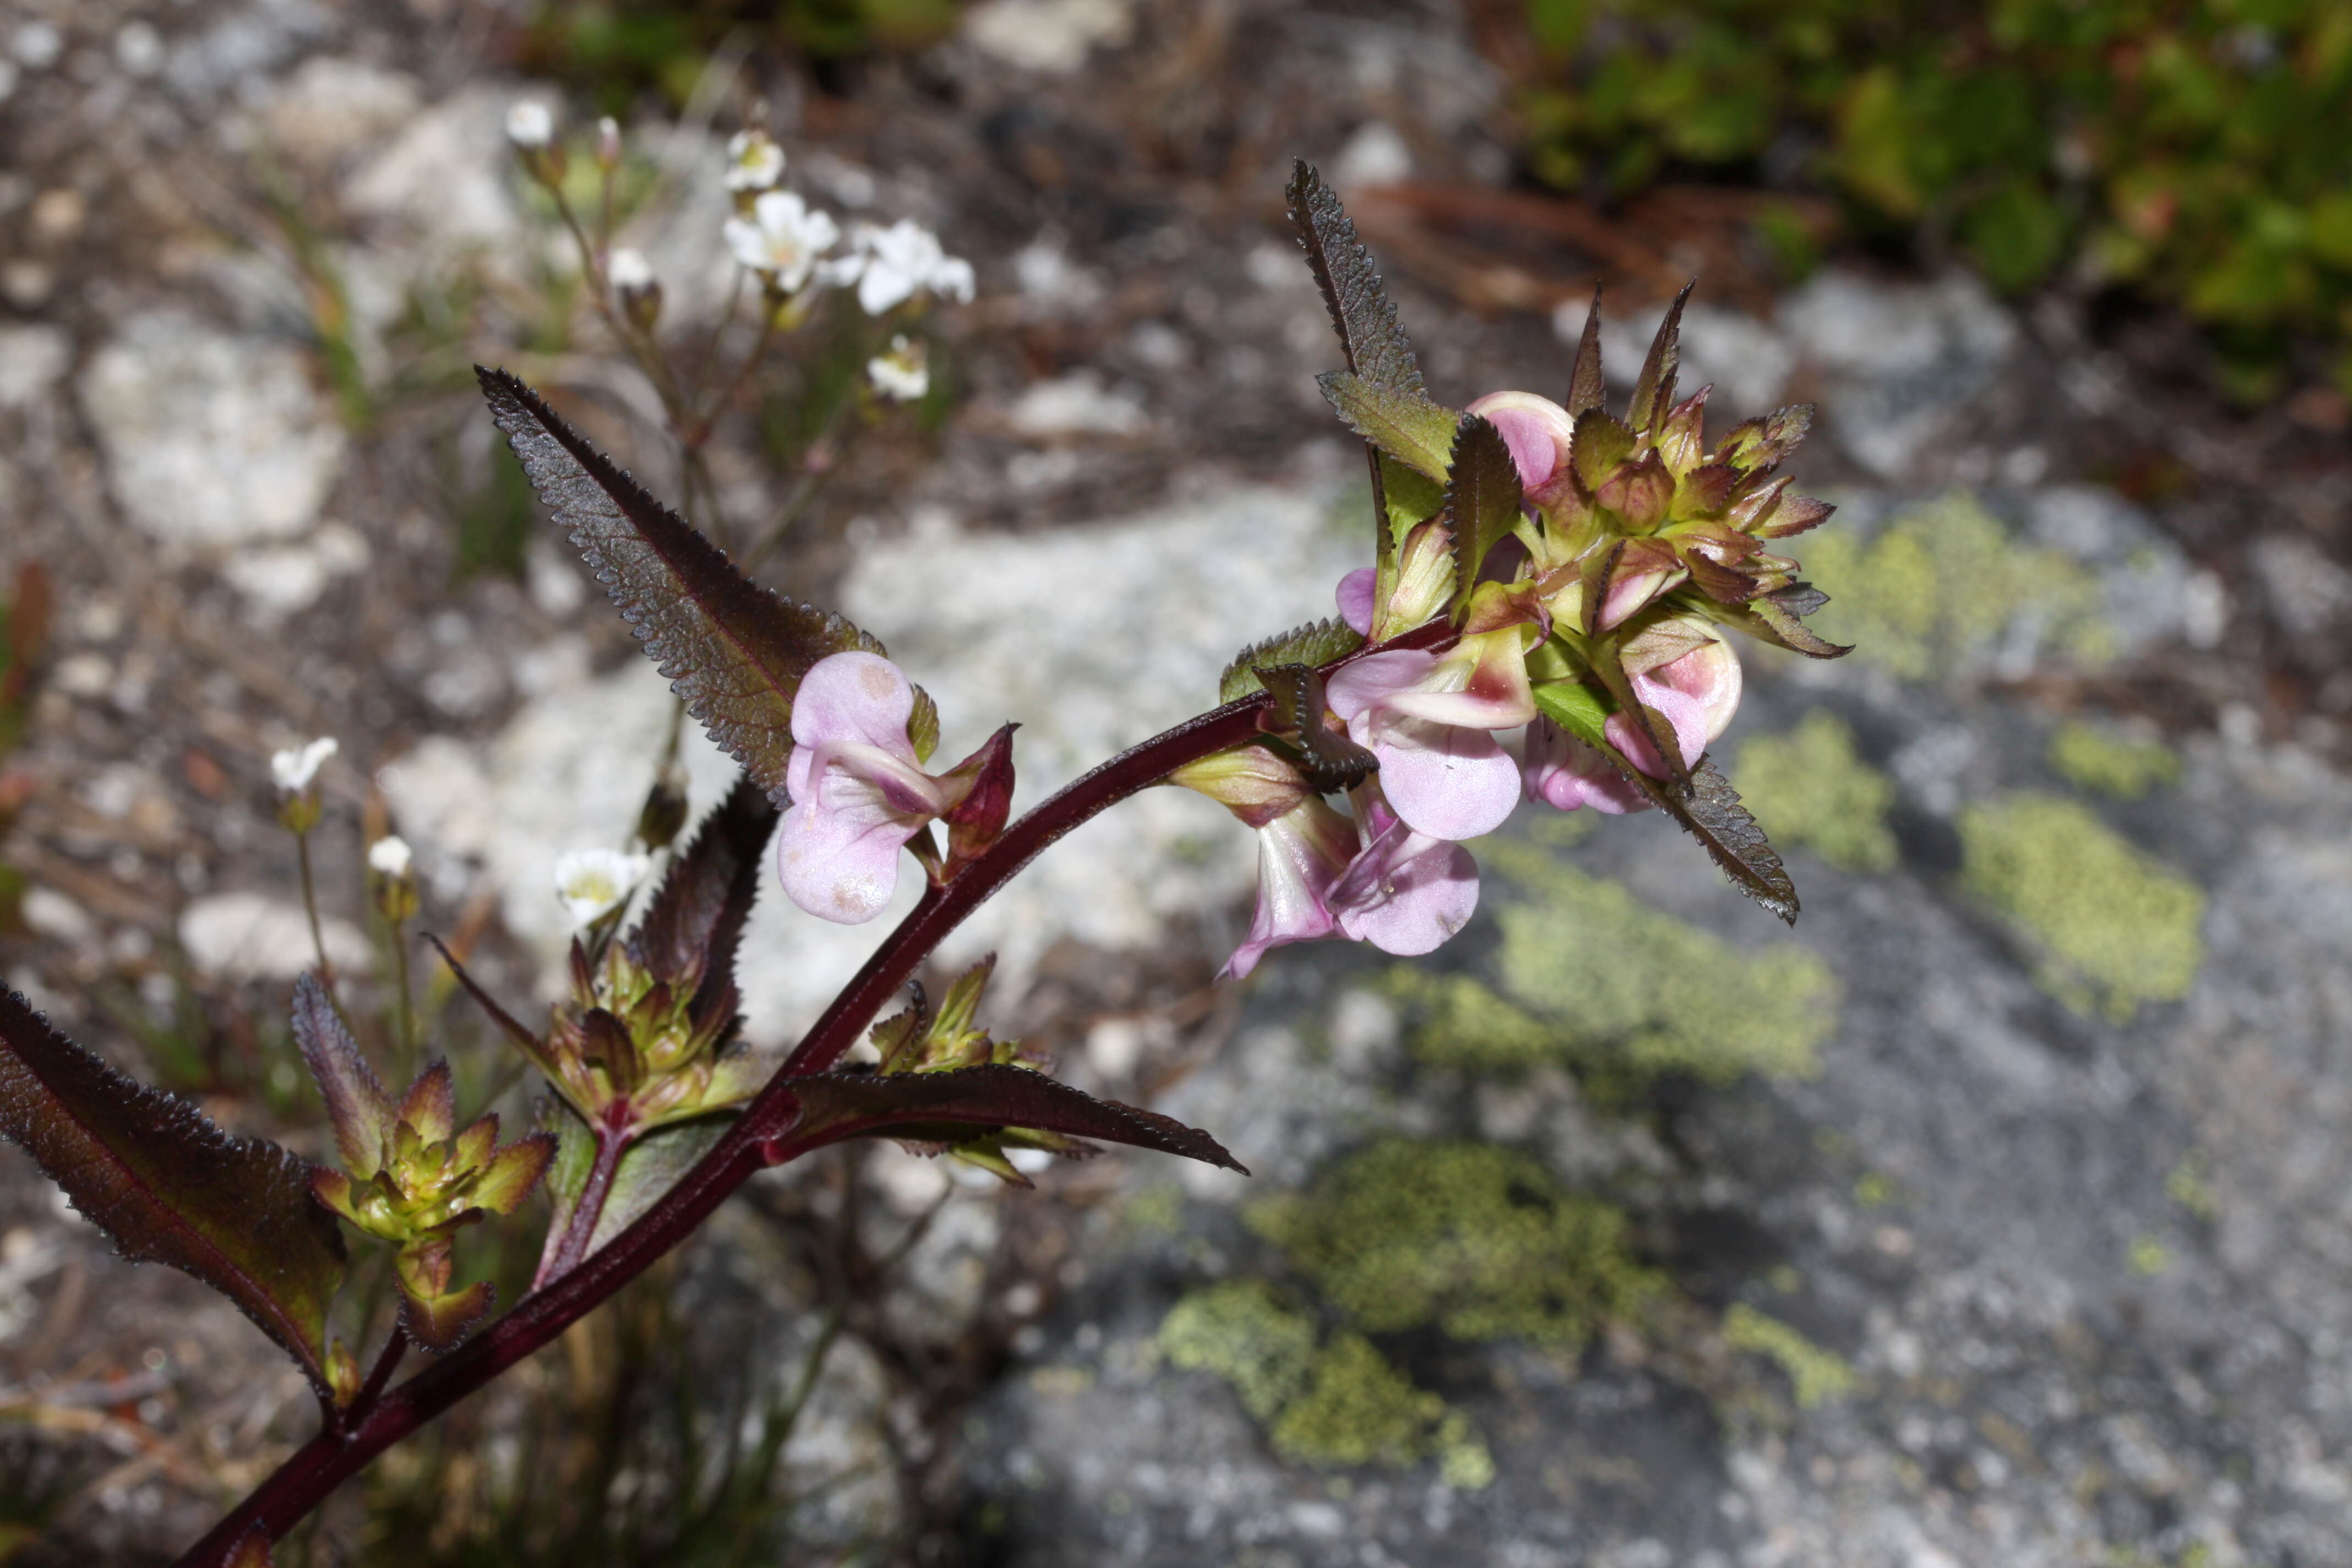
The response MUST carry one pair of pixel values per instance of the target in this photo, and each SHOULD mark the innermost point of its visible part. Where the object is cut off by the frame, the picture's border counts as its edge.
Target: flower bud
(608, 143)
(1251, 782)
(295, 772)
(664, 812)
(392, 881)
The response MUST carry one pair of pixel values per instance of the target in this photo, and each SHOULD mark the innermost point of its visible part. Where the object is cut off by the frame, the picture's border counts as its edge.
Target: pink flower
(1300, 856)
(1695, 691)
(1538, 432)
(1355, 597)
(858, 793)
(1430, 719)
(1405, 892)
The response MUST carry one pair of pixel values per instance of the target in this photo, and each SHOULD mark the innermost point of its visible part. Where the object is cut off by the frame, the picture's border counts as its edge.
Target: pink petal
(1681, 710)
(856, 697)
(1711, 675)
(1537, 431)
(838, 848)
(1563, 772)
(1374, 678)
(1407, 893)
(1443, 780)
(1299, 856)
(1355, 597)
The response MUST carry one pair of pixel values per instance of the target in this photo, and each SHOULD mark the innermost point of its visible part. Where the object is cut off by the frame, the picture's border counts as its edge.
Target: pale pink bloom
(1405, 892)
(857, 791)
(1300, 856)
(1696, 694)
(1538, 432)
(1355, 597)
(1430, 719)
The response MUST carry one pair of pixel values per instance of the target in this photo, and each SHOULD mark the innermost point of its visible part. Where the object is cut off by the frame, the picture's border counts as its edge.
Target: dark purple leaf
(169, 1186)
(1482, 499)
(1585, 388)
(359, 1108)
(1710, 812)
(691, 928)
(944, 1107)
(1653, 390)
(733, 649)
(1365, 318)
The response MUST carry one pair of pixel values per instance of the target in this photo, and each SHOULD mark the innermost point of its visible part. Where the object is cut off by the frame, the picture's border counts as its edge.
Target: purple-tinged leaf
(695, 922)
(733, 649)
(1653, 390)
(1482, 499)
(430, 1107)
(1709, 811)
(1363, 316)
(1406, 426)
(649, 1167)
(435, 1320)
(1584, 387)
(943, 1106)
(1602, 441)
(1333, 762)
(359, 1108)
(1772, 619)
(1793, 516)
(169, 1186)
(1319, 644)
(512, 1172)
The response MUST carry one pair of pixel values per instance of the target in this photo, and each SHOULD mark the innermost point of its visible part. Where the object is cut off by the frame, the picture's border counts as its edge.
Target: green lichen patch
(2111, 928)
(1461, 1022)
(1242, 1333)
(1340, 1403)
(1935, 589)
(1815, 1374)
(1629, 986)
(1476, 1239)
(1809, 786)
(2120, 765)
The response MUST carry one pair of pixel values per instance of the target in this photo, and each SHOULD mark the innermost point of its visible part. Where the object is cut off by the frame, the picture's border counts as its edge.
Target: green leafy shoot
(1318, 644)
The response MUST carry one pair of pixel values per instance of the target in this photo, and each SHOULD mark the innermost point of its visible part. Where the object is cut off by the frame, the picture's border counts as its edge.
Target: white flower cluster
(776, 233)
(903, 374)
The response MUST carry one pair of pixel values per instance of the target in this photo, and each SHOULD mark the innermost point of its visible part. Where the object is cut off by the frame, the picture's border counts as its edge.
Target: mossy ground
(1809, 786)
(1815, 1375)
(1936, 588)
(2111, 928)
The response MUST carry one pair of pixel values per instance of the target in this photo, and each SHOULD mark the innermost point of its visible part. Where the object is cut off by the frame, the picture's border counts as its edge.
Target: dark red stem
(611, 1143)
(757, 1139)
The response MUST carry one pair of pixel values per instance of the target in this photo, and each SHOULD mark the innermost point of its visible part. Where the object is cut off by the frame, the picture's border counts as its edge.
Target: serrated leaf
(1362, 315)
(1482, 499)
(696, 920)
(1601, 442)
(359, 1108)
(169, 1186)
(1654, 389)
(1584, 386)
(923, 726)
(940, 1108)
(1410, 497)
(1313, 644)
(1406, 426)
(1333, 762)
(650, 1167)
(1772, 621)
(1709, 811)
(734, 651)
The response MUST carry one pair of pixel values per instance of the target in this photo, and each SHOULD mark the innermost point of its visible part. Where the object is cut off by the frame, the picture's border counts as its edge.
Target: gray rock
(211, 439)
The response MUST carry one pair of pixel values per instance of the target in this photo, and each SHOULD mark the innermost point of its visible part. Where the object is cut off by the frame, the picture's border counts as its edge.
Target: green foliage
(1808, 787)
(616, 49)
(1591, 974)
(1476, 1239)
(2113, 765)
(1934, 590)
(2111, 927)
(2193, 150)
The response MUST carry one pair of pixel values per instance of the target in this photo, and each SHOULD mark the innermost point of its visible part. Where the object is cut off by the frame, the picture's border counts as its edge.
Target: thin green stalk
(311, 909)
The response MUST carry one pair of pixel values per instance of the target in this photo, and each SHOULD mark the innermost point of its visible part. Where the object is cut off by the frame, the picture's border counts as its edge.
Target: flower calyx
(918, 1040)
(410, 1175)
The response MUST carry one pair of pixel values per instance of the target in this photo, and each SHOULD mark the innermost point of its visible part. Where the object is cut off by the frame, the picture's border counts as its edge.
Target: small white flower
(783, 238)
(592, 881)
(389, 855)
(903, 260)
(904, 374)
(293, 771)
(530, 124)
(629, 270)
(753, 162)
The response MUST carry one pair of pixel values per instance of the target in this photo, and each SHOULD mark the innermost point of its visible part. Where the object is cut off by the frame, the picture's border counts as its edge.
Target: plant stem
(760, 1137)
(572, 1244)
(381, 1374)
(403, 1015)
(310, 908)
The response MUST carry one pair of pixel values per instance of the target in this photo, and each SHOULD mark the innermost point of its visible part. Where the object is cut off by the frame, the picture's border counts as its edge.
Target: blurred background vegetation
(2187, 153)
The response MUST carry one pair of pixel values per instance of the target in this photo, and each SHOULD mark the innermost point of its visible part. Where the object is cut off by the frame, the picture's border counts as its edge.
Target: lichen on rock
(1808, 786)
(1476, 1240)
(2126, 767)
(1815, 1374)
(2111, 928)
